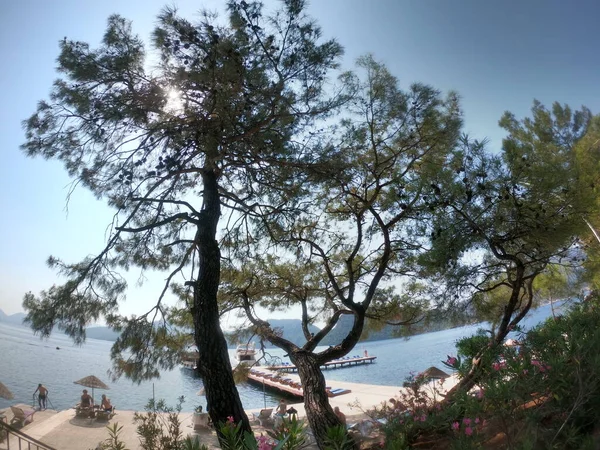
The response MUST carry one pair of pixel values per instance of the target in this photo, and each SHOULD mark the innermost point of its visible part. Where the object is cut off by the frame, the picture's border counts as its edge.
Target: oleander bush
(543, 394)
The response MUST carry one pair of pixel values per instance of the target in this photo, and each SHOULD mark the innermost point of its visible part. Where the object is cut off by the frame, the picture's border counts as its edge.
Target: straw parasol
(433, 373)
(92, 382)
(5, 393)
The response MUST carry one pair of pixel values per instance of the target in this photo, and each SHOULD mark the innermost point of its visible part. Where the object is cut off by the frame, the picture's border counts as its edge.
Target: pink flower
(480, 394)
(264, 443)
(477, 420)
(467, 421)
(230, 419)
(525, 371)
(468, 431)
(498, 365)
(541, 367)
(423, 418)
(451, 361)
(438, 407)
(455, 426)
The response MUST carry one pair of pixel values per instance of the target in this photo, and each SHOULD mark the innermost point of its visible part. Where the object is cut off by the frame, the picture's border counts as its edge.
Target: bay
(25, 361)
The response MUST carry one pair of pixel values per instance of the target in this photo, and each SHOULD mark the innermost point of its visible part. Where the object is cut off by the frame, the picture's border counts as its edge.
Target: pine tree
(508, 218)
(173, 150)
(339, 245)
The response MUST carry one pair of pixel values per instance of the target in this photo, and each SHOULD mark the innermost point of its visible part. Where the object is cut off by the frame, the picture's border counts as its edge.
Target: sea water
(25, 361)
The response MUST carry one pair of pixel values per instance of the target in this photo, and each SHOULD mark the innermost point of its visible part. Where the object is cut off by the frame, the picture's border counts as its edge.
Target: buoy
(57, 348)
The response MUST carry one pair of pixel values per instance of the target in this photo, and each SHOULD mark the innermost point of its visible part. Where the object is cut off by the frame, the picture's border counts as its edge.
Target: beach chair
(263, 417)
(201, 421)
(21, 416)
(88, 413)
(104, 416)
(336, 392)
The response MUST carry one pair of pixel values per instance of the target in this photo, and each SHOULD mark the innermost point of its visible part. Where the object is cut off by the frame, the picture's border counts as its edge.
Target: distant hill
(15, 319)
(291, 330)
(340, 331)
(102, 333)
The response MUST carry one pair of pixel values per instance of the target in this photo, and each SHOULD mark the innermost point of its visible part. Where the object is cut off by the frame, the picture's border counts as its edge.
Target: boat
(189, 360)
(246, 353)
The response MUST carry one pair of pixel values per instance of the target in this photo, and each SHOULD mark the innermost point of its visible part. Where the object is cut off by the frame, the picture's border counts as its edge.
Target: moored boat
(246, 353)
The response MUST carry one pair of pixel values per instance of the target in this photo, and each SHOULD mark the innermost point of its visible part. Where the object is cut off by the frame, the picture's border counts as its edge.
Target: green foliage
(233, 438)
(159, 427)
(291, 434)
(471, 347)
(213, 122)
(338, 439)
(113, 441)
(193, 443)
(542, 395)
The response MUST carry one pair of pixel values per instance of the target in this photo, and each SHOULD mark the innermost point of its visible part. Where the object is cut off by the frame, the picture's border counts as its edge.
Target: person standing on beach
(281, 408)
(42, 396)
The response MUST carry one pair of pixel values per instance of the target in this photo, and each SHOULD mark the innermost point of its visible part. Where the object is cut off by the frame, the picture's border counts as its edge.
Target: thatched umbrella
(5, 393)
(92, 382)
(433, 373)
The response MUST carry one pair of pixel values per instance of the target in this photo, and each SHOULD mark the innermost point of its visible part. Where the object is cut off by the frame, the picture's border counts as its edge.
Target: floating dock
(335, 364)
(287, 386)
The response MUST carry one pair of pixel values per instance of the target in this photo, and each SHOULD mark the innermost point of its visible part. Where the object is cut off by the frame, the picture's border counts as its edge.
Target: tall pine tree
(173, 150)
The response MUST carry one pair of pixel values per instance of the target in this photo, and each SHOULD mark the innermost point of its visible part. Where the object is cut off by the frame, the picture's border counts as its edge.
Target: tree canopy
(172, 149)
(507, 218)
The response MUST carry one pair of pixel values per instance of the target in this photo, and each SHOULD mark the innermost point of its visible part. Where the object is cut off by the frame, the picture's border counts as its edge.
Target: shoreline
(63, 431)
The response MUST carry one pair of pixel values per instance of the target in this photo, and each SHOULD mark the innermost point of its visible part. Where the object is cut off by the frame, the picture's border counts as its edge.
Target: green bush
(546, 394)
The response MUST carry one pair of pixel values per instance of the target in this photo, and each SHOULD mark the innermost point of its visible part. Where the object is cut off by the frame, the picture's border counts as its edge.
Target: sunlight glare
(174, 101)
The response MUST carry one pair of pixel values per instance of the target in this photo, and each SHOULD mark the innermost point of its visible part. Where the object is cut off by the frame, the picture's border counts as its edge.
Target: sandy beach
(63, 431)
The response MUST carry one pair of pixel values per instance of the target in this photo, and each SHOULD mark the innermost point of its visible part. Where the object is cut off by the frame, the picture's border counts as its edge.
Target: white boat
(189, 360)
(246, 353)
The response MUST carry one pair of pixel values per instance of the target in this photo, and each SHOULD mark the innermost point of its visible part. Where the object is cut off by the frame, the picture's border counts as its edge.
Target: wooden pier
(335, 364)
(287, 386)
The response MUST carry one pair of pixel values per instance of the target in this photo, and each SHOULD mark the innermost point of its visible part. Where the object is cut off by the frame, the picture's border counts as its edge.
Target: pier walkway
(335, 364)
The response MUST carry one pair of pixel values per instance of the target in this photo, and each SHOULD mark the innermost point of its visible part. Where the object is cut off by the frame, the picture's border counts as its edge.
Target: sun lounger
(263, 417)
(336, 392)
(21, 416)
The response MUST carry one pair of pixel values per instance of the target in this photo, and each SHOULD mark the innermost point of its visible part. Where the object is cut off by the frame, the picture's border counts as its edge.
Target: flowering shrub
(546, 395)
(453, 362)
(290, 435)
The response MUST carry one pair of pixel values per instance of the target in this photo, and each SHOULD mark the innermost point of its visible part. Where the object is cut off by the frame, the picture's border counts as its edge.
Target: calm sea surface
(25, 361)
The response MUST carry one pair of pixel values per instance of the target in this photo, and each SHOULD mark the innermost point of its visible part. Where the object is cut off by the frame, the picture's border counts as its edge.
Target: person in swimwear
(86, 400)
(42, 396)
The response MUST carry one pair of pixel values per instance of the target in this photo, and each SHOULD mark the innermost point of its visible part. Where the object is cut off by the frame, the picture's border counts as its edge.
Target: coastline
(63, 431)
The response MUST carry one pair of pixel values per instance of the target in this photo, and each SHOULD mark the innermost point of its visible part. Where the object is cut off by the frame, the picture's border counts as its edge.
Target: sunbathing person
(87, 402)
(105, 404)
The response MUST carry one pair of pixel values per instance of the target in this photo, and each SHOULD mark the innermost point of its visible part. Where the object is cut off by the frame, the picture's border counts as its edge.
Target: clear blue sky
(498, 55)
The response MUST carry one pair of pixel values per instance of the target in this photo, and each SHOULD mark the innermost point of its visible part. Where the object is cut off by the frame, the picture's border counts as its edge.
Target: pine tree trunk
(214, 365)
(318, 411)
